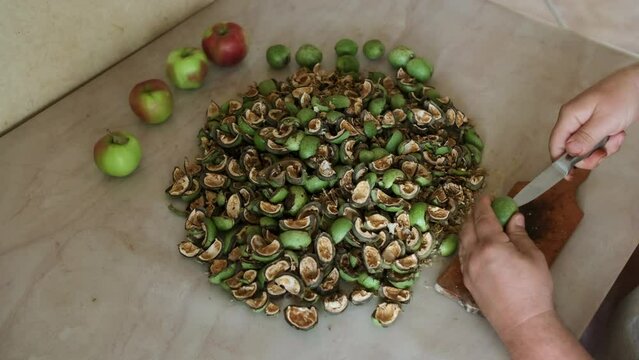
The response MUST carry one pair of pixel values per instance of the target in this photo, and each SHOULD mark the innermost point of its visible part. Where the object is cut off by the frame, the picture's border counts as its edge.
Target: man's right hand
(606, 109)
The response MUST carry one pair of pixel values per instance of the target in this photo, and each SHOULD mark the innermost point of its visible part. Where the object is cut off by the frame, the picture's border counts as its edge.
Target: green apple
(117, 153)
(151, 101)
(187, 67)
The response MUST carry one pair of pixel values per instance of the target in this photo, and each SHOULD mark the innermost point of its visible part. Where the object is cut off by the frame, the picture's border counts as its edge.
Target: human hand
(505, 271)
(606, 109)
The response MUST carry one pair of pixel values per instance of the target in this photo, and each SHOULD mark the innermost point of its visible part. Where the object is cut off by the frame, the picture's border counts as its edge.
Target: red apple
(151, 101)
(224, 43)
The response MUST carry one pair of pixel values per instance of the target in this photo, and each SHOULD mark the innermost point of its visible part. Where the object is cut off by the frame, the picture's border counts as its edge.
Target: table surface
(89, 266)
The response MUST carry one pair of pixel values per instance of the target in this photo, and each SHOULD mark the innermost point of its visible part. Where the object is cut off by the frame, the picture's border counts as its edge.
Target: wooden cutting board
(550, 221)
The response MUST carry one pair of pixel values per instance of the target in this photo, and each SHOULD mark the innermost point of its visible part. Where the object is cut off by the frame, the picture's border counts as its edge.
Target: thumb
(588, 135)
(516, 230)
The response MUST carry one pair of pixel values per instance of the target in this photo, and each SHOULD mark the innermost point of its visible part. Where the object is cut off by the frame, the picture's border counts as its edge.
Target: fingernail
(519, 220)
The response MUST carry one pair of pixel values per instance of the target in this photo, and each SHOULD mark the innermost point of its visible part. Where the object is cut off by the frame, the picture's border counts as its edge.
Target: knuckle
(521, 240)
(564, 109)
(488, 252)
(483, 220)
(538, 255)
(533, 252)
(480, 258)
(567, 110)
(517, 233)
(584, 135)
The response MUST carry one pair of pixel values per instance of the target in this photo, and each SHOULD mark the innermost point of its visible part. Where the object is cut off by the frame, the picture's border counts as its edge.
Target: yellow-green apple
(187, 67)
(117, 153)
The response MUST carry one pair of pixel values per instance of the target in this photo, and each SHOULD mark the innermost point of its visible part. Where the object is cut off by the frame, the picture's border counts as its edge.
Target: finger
(571, 117)
(612, 146)
(467, 235)
(516, 230)
(587, 136)
(570, 175)
(593, 160)
(614, 143)
(467, 238)
(487, 227)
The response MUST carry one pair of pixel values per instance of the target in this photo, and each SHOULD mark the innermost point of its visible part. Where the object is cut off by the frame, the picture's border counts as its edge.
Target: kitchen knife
(552, 175)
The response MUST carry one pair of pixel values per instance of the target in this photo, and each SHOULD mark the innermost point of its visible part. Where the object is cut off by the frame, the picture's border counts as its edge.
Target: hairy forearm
(542, 337)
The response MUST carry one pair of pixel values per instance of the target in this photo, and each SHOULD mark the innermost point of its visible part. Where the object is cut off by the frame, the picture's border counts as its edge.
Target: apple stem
(222, 30)
(118, 138)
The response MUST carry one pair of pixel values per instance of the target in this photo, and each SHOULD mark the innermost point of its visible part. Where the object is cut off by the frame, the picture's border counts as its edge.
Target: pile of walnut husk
(327, 189)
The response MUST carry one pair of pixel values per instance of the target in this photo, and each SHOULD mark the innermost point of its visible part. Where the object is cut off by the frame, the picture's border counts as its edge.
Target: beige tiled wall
(536, 9)
(48, 47)
(613, 22)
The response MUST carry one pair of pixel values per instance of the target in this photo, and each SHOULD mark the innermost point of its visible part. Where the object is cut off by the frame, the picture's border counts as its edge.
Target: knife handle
(573, 160)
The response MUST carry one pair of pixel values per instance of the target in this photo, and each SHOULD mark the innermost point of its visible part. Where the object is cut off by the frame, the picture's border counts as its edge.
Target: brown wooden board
(550, 221)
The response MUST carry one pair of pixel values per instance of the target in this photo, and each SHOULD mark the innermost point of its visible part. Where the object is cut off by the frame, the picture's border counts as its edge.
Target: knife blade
(553, 174)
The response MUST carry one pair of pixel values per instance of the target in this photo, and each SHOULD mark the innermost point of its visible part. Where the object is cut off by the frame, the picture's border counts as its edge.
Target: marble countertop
(88, 264)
